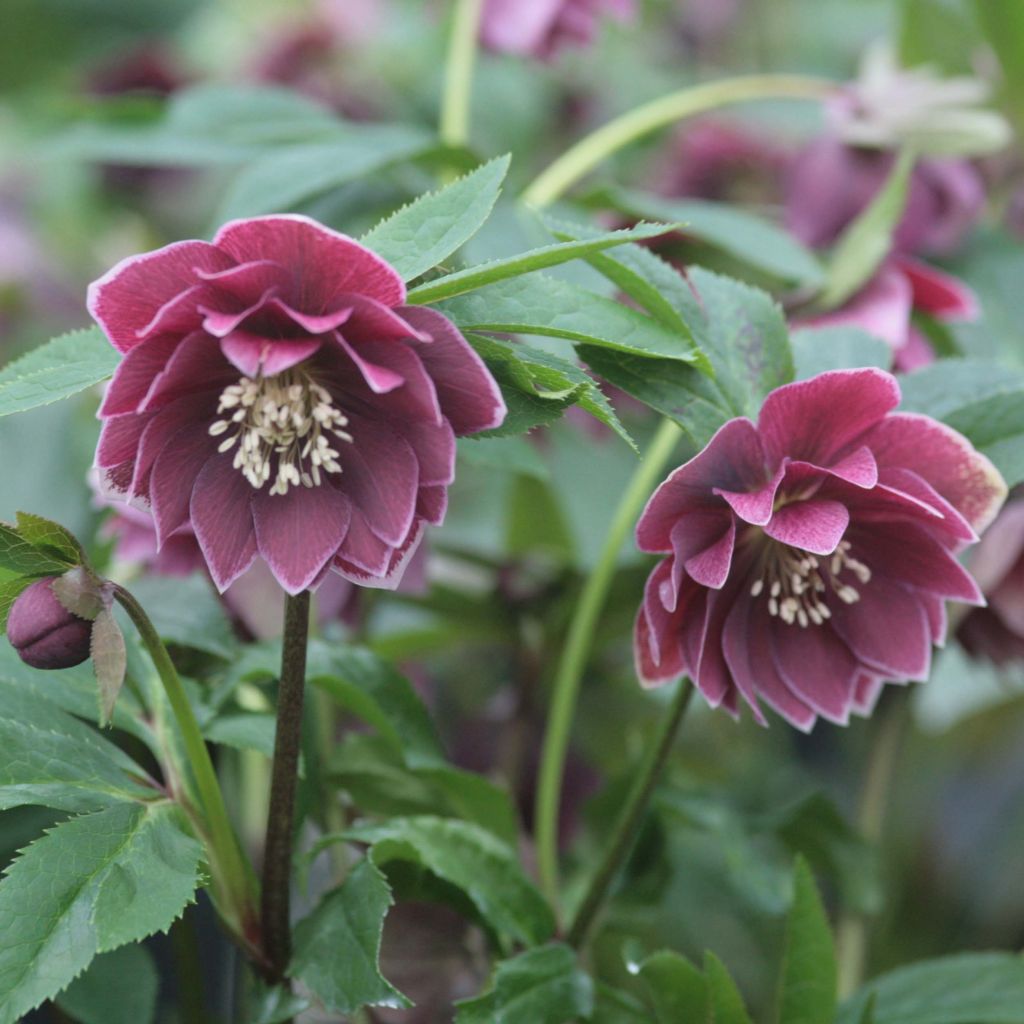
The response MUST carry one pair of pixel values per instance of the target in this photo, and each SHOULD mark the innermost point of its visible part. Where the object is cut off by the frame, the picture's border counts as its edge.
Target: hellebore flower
(542, 28)
(43, 632)
(278, 398)
(996, 633)
(883, 307)
(810, 555)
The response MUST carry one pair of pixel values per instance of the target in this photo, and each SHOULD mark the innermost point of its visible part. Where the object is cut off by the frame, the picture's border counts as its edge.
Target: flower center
(796, 582)
(282, 421)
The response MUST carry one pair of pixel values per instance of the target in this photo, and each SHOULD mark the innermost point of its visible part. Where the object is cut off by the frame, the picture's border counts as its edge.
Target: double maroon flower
(277, 396)
(810, 555)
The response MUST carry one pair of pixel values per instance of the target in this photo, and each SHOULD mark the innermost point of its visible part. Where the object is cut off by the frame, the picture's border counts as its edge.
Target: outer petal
(222, 518)
(470, 397)
(299, 532)
(325, 263)
(816, 420)
(119, 439)
(134, 374)
(944, 458)
(942, 295)
(733, 460)
(399, 562)
(174, 475)
(818, 667)
(126, 299)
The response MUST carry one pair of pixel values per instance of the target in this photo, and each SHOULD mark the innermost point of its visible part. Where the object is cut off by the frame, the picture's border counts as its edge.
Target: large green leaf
(541, 986)
(186, 611)
(749, 238)
(541, 305)
(204, 125)
(818, 349)
(968, 988)
(725, 1001)
(473, 278)
(867, 241)
(62, 367)
(119, 987)
(338, 945)
(19, 556)
(807, 993)
(677, 989)
(286, 178)
(983, 400)
(472, 859)
(90, 885)
(419, 236)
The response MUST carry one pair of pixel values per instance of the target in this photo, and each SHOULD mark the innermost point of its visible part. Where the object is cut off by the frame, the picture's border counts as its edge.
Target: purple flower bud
(43, 632)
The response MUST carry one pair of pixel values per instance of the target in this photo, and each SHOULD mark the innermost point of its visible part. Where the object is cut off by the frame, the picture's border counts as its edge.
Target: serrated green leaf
(808, 984)
(118, 988)
(541, 986)
(79, 592)
(543, 306)
(17, 555)
(676, 988)
(819, 349)
(187, 612)
(474, 278)
(472, 859)
(51, 536)
(380, 782)
(868, 239)
(89, 885)
(967, 988)
(550, 378)
(429, 229)
(60, 368)
(747, 237)
(10, 588)
(289, 176)
(724, 997)
(109, 661)
(337, 947)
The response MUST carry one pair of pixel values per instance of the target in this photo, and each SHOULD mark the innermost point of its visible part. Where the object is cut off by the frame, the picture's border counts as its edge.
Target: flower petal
(129, 295)
(196, 365)
(222, 518)
(255, 355)
(325, 263)
(943, 296)
(119, 439)
(818, 667)
(134, 374)
(813, 525)
(173, 477)
(468, 394)
(299, 532)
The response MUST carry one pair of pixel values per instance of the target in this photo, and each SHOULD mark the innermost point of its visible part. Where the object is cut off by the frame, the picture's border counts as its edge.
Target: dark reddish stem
(277, 853)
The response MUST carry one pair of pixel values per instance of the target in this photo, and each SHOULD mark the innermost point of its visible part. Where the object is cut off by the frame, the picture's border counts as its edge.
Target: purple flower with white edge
(278, 397)
(542, 28)
(809, 556)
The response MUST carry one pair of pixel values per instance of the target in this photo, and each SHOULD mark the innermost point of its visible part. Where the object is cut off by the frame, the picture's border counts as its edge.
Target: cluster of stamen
(281, 425)
(796, 583)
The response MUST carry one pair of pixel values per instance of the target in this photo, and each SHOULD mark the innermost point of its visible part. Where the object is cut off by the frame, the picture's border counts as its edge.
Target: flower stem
(458, 82)
(577, 646)
(630, 819)
(593, 149)
(277, 854)
(233, 877)
(886, 745)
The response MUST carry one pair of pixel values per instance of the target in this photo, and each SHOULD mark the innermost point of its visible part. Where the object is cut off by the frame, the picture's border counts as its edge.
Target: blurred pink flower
(277, 397)
(883, 307)
(542, 28)
(830, 183)
(810, 555)
(997, 631)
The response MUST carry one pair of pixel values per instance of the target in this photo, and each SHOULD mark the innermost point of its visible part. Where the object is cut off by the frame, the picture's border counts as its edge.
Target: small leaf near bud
(109, 661)
(81, 593)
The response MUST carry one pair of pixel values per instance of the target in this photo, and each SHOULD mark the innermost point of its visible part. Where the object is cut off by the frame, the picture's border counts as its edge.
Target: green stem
(595, 148)
(577, 646)
(883, 757)
(233, 878)
(277, 852)
(626, 828)
(458, 82)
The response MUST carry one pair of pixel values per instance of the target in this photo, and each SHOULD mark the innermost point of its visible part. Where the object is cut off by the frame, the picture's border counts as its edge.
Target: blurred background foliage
(125, 124)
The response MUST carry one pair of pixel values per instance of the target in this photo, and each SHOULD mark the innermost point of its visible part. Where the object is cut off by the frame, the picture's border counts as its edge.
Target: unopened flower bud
(43, 632)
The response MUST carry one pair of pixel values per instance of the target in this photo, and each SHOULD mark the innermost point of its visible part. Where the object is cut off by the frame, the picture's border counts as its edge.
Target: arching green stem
(594, 149)
(577, 648)
(458, 81)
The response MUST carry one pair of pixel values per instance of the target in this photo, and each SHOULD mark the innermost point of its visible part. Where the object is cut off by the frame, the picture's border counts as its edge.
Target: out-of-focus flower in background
(810, 556)
(542, 28)
(277, 397)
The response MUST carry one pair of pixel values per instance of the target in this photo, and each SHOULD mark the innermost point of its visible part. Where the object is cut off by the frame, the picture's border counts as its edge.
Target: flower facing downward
(810, 555)
(278, 398)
